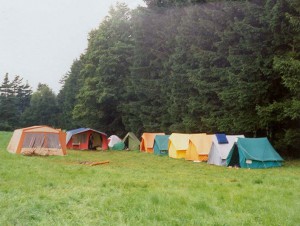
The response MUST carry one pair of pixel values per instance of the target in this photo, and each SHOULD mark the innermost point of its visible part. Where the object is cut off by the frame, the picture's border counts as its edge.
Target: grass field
(142, 189)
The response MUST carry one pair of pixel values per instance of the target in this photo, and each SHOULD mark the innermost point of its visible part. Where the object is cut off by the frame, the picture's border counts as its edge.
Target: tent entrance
(235, 157)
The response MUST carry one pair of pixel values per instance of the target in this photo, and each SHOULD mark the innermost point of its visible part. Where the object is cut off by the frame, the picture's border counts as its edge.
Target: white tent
(112, 140)
(219, 152)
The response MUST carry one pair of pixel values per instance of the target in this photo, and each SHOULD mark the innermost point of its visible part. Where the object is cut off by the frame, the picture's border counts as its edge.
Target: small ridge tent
(220, 150)
(118, 146)
(148, 141)
(253, 153)
(178, 145)
(86, 138)
(112, 140)
(161, 144)
(199, 147)
(131, 141)
(38, 140)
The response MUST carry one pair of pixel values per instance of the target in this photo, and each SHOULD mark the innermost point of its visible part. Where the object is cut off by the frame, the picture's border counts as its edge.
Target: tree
(107, 63)
(43, 109)
(66, 98)
(8, 110)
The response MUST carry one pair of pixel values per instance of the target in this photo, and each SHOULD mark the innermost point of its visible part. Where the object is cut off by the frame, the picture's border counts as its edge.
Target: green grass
(142, 189)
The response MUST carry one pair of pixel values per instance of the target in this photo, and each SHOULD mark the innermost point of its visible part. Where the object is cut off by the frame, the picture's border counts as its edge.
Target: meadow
(142, 189)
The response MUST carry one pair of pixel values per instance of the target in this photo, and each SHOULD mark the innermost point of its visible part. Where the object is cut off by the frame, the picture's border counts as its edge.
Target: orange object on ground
(147, 142)
(199, 147)
(86, 139)
(38, 140)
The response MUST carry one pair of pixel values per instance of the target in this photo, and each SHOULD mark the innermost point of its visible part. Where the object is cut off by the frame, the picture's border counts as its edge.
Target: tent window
(79, 138)
(53, 141)
(34, 140)
(41, 140)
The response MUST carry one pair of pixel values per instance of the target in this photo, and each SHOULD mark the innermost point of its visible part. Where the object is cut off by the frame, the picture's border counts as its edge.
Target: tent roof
(131, 135)
(149, 138)
(180, 140)
(221, 137)
(202, 142)
(70, 133)
(162, 141)
(259, 149)
(40, 128)
(224, 149)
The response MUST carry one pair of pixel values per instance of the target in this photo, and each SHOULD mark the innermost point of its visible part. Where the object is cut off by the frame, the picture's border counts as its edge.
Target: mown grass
(142, 189)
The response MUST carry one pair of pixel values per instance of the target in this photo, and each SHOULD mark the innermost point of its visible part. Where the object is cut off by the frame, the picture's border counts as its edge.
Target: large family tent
(85, 139)
(161, 144)
(147, 142)
(253, 153)
(199, 147)
(38, 140)
(220, 149)
(131, 141)
(178, 145)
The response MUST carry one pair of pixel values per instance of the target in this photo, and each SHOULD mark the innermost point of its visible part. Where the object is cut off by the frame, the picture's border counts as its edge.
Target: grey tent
(220, 150)
(131, 141)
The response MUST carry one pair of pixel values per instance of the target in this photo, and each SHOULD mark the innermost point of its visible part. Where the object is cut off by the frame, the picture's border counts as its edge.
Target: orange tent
(147, 142)
(38, 140)
(199, 147)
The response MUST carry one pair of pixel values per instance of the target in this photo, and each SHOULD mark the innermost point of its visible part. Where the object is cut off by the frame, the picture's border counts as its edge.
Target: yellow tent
(178, 144)
(38, 140)
(147, 142)
(199, 147)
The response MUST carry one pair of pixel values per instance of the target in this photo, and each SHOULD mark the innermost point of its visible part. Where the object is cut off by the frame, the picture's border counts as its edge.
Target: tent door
(235, 158)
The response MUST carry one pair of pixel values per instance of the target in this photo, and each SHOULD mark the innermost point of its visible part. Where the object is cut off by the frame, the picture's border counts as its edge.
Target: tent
(86, 138)
(112, 140)
(118, 146)
(178, 145)
(199, 147)
(38, 140)
(253, 153)
(131, 141)
(161, 144)
(148, 141)
(220, 150)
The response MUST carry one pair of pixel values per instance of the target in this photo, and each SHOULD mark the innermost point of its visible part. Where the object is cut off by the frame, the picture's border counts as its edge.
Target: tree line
(184, 66)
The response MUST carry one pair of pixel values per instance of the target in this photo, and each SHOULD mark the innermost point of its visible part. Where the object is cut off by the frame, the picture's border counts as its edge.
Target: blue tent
(253, 153)
(161, 144)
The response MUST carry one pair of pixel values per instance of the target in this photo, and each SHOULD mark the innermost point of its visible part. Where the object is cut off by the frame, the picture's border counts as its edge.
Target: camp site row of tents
(217, 149)
(44, 140)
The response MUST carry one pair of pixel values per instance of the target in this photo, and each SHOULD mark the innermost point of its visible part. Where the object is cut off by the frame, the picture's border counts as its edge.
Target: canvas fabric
(219, 152)
(178, 144)
(161, 144)
(147, 141)
(132, 141)
(253, 153)
(199, 147)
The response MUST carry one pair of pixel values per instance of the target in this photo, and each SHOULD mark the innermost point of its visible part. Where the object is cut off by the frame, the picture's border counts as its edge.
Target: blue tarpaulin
(221, 137)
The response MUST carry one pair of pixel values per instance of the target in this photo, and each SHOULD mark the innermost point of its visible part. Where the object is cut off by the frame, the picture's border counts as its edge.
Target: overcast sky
(39, 39)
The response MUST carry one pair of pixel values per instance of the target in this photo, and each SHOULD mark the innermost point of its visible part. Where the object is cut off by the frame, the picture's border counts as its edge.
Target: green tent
(118, 146)
(131, 141)
(161, 144)
(253, 153)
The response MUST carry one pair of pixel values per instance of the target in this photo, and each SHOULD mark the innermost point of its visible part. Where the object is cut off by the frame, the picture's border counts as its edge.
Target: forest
(184, 66)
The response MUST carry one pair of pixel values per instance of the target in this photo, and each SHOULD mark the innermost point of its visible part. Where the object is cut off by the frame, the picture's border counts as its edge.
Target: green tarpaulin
(118, 146)
(131, 141)
(161, 144)
(253, 153)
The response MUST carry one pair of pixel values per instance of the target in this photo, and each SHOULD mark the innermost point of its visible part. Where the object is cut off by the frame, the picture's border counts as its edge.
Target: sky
(40, 39)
